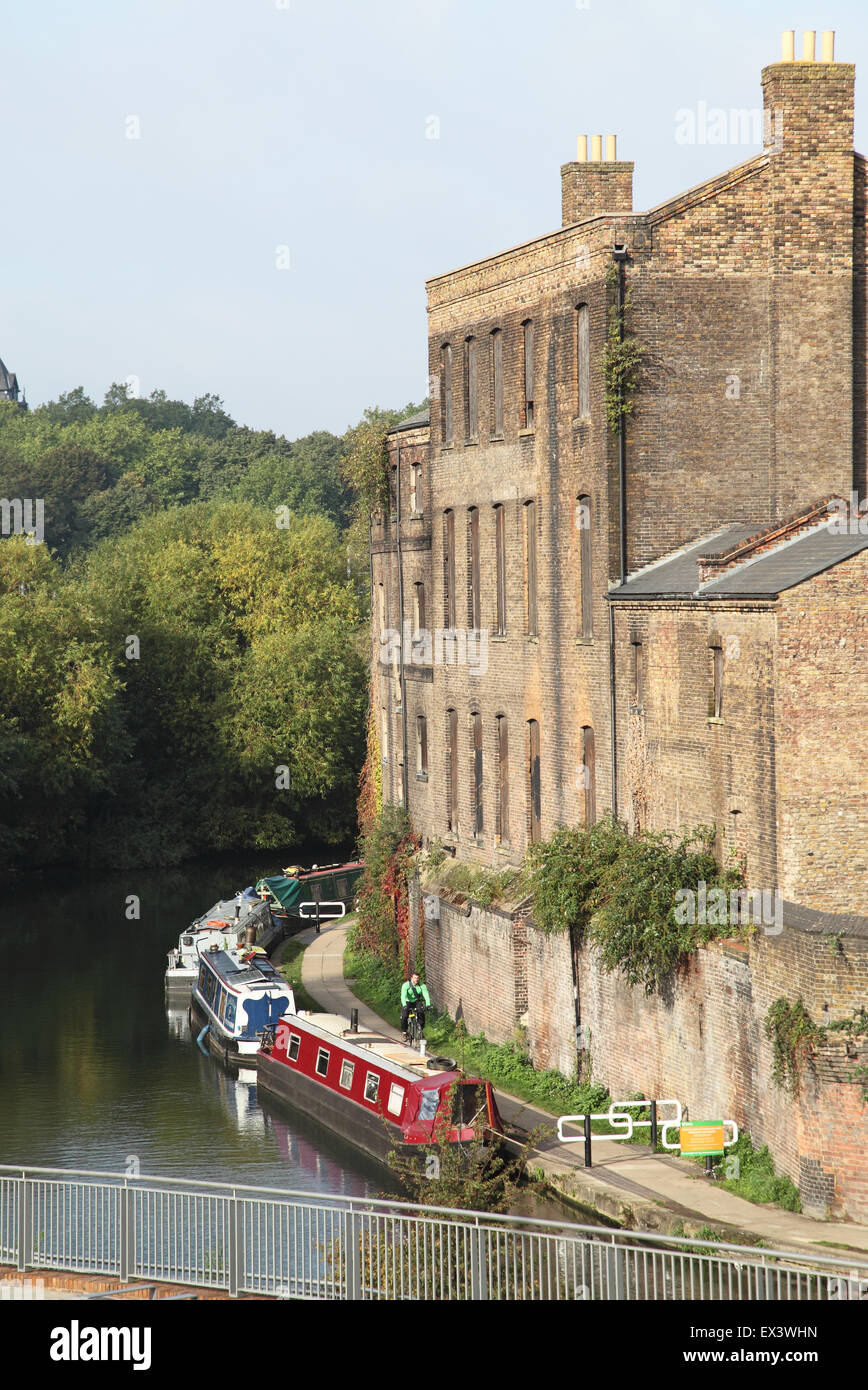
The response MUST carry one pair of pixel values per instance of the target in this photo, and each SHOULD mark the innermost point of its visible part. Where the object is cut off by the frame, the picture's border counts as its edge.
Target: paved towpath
(652, 1187)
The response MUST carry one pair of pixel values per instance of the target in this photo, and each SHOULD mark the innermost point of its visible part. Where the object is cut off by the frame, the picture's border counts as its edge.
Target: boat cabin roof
(259, 972)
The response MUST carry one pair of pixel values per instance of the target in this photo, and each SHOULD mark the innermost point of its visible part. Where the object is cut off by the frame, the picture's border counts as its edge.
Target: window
(421, 746)
(476, 782)
(502, 826)
(471, 391)
(393, 489)
(586, 584)
(589, 774)
(533, 781)
(381, 608)
(527, 411)
(474, 604)
(347, 1070)
(715, 704)
(446, 391)
(416, 488)
(452, 770)
(294, 1044)
(496, 383)
(530, 568)
(500, 570)
(418, 606)
(229, 1019)
(322, 1061)
(638, 672)
(372, 1086)
(428, 1106)
(583, 362)
(396, 1099)
(220, 1003)
(384, 738)
(449, 569)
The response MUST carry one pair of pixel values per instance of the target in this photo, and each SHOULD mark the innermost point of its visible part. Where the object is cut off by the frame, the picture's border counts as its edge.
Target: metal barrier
(295, 1245)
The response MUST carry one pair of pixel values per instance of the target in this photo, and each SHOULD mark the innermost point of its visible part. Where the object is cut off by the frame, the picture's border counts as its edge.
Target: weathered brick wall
(821, 678)
(470, 967)
(705, 1044)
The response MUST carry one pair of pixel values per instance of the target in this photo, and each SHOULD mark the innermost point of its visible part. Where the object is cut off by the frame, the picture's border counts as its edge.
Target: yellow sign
(702, 1137)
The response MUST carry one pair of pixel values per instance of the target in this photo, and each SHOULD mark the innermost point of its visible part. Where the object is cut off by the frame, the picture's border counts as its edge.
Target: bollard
(654, 1126)
(709, 1165)
(354, 1020)
(587, 1141)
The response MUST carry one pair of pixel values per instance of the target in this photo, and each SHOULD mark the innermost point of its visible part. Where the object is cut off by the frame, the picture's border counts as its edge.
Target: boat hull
(362, 1128)
(227, 1050)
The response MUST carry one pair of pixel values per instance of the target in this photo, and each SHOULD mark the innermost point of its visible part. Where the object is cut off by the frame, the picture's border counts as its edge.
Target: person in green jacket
(413, 992)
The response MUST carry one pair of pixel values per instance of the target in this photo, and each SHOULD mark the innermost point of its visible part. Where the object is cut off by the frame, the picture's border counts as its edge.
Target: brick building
(659, 620)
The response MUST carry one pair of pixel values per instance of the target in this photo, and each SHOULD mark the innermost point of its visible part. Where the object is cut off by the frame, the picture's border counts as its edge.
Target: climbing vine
(794, 1038)
(645, 901)
(622, 353)
(383, 899)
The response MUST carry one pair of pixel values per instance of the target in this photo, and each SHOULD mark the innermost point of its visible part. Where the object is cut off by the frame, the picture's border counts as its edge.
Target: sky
(246, 197)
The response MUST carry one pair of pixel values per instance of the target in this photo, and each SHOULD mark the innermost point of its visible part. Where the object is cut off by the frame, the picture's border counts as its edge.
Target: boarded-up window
(471, 389)
(530, 571)
(497, 382)
(418, 607)
(533, 781)
(500, 570)
(452, 770)
(638, 672)
(715, 705)
(586, 583)
(476, 783)
(449, 569)
(416, 488)
(474, 603)
(589, 774)
(502, 827)
(527, 414)
(446, 391)
(583, 361)
(421, 746)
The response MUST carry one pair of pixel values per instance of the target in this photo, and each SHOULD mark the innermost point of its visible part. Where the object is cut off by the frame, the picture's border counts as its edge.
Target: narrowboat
(230, 924)
(380, 1095)
(236, 996)
(286, 892)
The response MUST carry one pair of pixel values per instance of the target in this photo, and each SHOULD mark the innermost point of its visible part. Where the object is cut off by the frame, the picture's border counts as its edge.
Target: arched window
(583, 362)
(416, 488)
(530, 576)
(471, 390)
(449, 568)
(527, 408)
(446, 391)
(586, 581)
(474, 598)
(496, 383)
(500, 570)
(534, 799)
(452, 771)
(502, 825)
(476, 772)
(589, 774)
(421, 746)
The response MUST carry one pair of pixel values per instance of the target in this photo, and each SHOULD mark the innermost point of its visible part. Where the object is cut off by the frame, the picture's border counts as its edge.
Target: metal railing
(301, 1246)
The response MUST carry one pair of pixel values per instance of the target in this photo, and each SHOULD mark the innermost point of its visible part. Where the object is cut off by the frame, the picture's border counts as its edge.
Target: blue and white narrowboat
(235, 997)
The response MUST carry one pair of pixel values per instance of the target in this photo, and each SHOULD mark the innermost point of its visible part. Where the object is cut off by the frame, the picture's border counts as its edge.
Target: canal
(98, 1075)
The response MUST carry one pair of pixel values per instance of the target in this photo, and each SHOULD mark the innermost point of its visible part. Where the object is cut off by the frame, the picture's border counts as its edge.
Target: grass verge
(289, 963)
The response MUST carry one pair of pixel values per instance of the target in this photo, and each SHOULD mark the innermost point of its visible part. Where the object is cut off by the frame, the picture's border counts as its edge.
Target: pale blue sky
(302, 123)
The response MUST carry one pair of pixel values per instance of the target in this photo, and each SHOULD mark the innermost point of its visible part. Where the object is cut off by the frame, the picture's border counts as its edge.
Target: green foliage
(621, 357)
(483, 886)
(624, 891)
(364, 466)
(758, 1180)
(387, 849)
(794, 1038)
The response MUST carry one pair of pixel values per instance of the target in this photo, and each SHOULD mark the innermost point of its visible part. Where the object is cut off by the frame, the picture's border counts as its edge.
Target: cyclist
(413, 995)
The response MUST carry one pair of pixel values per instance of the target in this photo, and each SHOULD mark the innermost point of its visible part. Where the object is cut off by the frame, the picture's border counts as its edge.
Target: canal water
(97, 1074)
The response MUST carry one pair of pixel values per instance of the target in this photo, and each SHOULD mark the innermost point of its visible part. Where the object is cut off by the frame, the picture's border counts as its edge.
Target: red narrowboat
(378, 1094)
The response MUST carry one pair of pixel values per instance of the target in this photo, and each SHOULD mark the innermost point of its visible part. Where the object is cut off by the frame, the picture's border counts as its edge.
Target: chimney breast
(595, 185)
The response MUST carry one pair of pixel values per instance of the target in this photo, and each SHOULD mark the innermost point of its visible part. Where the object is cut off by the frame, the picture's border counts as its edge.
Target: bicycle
(414, 1027)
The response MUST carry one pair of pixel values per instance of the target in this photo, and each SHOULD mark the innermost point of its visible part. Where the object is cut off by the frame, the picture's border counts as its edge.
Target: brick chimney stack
(595, 185)
(809, 143)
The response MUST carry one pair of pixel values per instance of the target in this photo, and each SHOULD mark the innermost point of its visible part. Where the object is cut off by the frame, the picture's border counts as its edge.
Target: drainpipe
(619, 256)
(404, 778)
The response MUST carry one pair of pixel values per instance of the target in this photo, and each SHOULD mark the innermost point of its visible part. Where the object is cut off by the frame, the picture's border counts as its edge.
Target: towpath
(626, 1183)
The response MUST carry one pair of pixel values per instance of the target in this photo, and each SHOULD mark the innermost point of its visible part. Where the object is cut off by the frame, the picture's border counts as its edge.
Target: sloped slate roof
(764, 576)
(414, 422)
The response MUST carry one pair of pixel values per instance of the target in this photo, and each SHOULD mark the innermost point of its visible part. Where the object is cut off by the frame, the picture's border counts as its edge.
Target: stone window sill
(471, 443)
(527, 433)
(497, 637)
(714, 719)
(581, 421)
(421, 776)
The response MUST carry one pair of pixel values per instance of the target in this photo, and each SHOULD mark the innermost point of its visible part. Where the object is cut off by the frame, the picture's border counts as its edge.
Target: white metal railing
(297, 1245)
